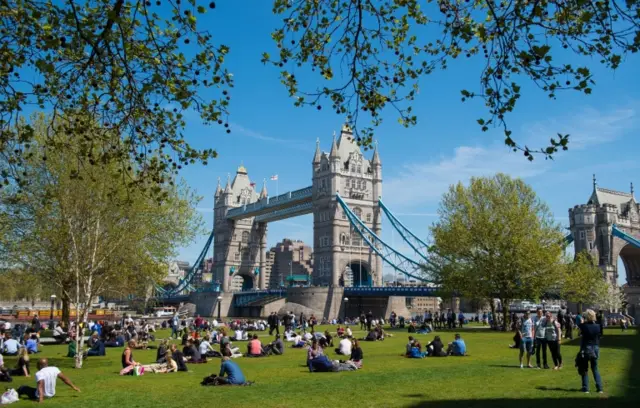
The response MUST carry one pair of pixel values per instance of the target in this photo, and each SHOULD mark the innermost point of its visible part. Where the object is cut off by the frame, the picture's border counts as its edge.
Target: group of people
(536, 334)
(435, 348)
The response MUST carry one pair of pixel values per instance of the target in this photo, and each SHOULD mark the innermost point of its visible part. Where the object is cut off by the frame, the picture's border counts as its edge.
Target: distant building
(292, 263)
(177, 271)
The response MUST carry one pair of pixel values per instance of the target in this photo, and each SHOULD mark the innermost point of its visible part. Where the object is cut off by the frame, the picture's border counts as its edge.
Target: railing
(271, 202)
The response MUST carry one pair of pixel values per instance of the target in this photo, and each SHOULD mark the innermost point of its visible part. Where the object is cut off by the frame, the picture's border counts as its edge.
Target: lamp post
(219, 307)
(53, 299)
(543, 303)
(346, 299)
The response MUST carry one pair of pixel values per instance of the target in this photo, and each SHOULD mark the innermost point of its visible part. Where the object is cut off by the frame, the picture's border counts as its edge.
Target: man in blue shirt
(457, 347)
(32, 344)
(233, 372)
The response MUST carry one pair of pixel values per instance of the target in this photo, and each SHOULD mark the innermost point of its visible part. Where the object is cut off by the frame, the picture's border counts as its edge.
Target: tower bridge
(345, 200)
(608, 228)
(341, 257)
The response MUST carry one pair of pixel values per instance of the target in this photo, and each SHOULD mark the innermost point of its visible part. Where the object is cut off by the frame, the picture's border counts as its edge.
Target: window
(343, 215)
(355, 240)
(590, 245)
(236, 256)
(368, 217)
(358, 212)
(245, 236)
(359, 170)
(353, 168)
(353, 184)
(235, 238)
(344, 240)
(582, 235)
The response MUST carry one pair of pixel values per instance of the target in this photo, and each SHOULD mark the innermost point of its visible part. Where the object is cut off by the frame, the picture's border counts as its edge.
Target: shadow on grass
(593, 400)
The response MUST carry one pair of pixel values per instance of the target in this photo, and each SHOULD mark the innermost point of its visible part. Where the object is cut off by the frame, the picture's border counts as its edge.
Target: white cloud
(422, 184)
(587, 127)
(425, 183)
(295, 144)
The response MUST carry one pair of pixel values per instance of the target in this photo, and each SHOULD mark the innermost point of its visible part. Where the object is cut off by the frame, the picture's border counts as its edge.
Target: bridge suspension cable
(391, 256)
(186, 283)
(616, 232)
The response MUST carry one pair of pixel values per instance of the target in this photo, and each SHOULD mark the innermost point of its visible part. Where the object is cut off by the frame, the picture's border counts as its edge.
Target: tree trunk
(580, 308)
(492, 305)
(506, 316)
(66, 307)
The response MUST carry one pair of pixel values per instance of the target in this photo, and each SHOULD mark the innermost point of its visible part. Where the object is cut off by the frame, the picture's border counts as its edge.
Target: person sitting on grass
(59, 334)
(178, 357)
(298, 342)
(344, 347)
(416, 350)
(5, 374)
(10, 346)
(206, 350)
(326, 340)
(169, 366)
(371, 336)
(289, 335)
(340, 331)
(254, 347)
(127, 357)
(314, 351)
(412, 327)
(232, 371)
(22, 368)
(356, 354)
(97, 348)
(277, 346)
(161, 354)
(192, 353)
(46, 382)
(32, 344)
(436, 348)
(457, 347)
(240, 335)
(409, 346)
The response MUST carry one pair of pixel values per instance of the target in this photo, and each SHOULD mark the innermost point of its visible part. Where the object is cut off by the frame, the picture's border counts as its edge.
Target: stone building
(592, 225)
(342, 258)
(292, 263)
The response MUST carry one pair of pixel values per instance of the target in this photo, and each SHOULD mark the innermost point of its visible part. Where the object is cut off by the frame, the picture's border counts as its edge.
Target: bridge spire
(227, 188)
(334, 148)
(376, 157)
(218, 188)
(595, 183)
(263, 193)
(632, 189)
(318, 155)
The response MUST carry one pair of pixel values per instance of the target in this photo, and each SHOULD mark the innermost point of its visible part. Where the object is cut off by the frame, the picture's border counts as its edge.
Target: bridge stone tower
(239, 246)
(591, 226)
(341, 257)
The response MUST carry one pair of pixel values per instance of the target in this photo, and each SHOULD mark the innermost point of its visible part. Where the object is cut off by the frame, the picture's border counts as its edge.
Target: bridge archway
(360, 274)
(242, 283)
(630, 257)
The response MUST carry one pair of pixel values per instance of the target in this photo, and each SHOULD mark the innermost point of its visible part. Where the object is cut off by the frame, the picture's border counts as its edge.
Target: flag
(274, 177)
(252, 184)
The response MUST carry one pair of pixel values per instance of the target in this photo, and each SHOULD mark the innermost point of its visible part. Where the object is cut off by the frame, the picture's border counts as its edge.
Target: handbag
(9, 397)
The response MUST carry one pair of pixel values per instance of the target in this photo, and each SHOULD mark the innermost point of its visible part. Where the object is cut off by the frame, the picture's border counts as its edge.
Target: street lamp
(346, 299)
(543, 303)
(219, 306)
(53, 299)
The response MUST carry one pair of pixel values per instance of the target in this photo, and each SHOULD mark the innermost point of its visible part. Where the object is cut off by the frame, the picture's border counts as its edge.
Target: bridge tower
(341, 257)
(591, 226)
(239, 246)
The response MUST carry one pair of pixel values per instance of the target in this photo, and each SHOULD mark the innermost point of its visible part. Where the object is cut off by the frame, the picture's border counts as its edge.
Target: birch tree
(96, 236)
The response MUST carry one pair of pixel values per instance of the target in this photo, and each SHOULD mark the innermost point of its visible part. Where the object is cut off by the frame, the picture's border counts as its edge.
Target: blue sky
(271, 136)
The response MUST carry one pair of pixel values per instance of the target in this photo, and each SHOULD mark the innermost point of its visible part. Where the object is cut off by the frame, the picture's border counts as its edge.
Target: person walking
(553, 336)
(568, 323)
(540, 342)
(589, 351)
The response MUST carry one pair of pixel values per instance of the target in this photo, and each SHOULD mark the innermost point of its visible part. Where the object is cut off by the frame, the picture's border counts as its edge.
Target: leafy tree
(496, 239)
(91, 235)
(613, 298)
(583, 281)
(135, 66)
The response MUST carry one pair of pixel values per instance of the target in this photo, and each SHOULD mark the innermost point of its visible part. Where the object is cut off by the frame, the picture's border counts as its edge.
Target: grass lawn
(489, 377)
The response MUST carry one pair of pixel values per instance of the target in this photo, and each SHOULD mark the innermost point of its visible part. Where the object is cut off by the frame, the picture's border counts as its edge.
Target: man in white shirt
(46, 382)
(344, 347)
(10, 346)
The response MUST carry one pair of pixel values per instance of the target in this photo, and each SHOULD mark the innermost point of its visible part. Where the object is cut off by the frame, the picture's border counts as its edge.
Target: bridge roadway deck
(290, 204)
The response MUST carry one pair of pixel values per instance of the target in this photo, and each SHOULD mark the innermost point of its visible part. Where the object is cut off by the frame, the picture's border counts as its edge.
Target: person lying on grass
(169, 366)
(46, 382)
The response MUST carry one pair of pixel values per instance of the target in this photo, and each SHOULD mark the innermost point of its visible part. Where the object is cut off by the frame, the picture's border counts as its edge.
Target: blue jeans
(174, 330)
(594, 370)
